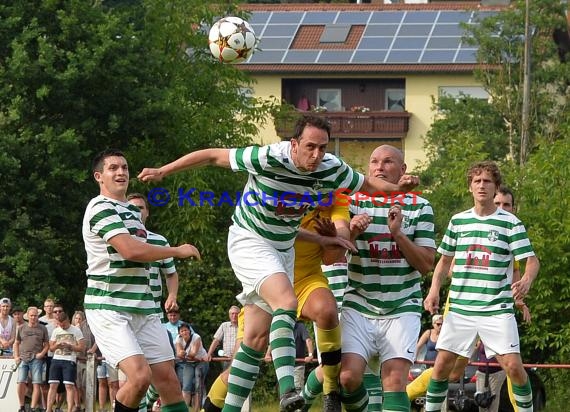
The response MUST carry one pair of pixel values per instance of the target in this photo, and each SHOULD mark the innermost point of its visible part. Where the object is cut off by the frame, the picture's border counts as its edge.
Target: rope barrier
(526, 365)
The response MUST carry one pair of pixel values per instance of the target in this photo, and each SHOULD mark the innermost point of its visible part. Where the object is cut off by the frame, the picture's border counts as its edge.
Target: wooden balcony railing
(371, 125)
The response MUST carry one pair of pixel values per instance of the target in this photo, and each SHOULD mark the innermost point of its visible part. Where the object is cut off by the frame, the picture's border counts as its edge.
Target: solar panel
(335, 56)
(371, 57)
(353, 17)
(276, 30)
(386, 17)
(335, 33)
(390, 37)
(405, 43)
(420, 17)
(375, 43)
(320, 17)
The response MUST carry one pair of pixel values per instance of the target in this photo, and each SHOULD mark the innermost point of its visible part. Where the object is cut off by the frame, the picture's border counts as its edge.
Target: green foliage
(77, 77)
(501, 52)
(470, 130)
(544, 202)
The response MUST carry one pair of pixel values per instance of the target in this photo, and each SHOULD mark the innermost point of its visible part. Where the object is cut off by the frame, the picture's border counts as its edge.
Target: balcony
(347, 125)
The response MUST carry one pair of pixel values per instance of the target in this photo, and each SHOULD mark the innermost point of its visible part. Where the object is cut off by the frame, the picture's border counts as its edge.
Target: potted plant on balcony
(285, 115)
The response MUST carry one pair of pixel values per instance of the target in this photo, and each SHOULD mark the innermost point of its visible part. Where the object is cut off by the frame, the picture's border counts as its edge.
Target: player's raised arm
(378, 185)
(214, 157)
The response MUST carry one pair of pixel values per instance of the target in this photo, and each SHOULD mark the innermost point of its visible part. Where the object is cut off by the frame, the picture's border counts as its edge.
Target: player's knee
(140, 382)
(350, 380)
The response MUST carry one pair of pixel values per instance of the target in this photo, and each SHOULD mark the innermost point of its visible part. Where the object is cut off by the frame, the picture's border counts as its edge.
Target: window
(330, 99)
(475, 92)
(395, 100)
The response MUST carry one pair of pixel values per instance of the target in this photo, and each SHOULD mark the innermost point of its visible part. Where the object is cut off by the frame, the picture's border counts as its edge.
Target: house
(371, 69)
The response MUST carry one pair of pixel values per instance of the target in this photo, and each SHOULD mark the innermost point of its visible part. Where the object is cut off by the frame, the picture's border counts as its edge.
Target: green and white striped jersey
(337, 276)
(113, 282)
(158, 269)
(277, 194)
(483, 247)
(381, 282)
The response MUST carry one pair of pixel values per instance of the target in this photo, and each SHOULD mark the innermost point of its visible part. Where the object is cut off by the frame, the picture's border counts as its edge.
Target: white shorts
(253, 260)
(120, 335)
(388, 338)
(499, 334)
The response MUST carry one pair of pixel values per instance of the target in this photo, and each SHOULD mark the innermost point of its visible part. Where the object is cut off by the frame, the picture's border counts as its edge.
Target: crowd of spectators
(50, 354)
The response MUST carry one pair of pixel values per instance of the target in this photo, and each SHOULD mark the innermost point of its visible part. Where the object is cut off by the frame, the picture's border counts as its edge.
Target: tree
(77, 77)
(471, 130)
(501, 44)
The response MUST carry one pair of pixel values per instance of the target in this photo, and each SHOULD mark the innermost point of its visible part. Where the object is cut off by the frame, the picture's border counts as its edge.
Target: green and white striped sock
(436, 394)
(523, 396)
(243, 374)
(282, 344)
(356, 401)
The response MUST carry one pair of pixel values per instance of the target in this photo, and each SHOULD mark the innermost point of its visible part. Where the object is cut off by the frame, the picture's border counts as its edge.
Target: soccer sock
(523, 396)
(355, 401)
(311, 389)
(282, 344)
(216, 395)
(328, 342)
(243, 374)
(373, 385)
(119, 407)
(436, 394)
(150, 398)
(174, 407)
(512, 395)
(418, 387)
(210, 407)
(396, 402)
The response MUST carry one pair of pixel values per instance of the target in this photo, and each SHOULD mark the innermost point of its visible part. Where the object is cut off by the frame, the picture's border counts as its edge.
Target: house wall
(421, 89)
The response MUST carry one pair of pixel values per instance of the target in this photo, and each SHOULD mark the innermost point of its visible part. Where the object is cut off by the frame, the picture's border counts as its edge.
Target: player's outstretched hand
(325, 227)
(338, 241)
(150, 175)
(186, 251)
(408, 182)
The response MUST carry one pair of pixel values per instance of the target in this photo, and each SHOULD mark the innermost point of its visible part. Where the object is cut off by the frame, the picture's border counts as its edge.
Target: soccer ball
(231, 40)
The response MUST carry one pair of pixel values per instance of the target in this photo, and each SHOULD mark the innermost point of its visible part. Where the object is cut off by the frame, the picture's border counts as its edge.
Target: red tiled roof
(308, 38)
(358, 68)
(309, 35)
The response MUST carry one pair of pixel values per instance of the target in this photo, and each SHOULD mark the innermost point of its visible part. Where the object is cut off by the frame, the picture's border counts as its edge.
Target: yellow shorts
(241, 315)
(304, 287)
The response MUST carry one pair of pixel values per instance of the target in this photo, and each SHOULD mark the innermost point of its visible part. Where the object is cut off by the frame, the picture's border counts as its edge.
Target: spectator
(429, 338)
(304, 350)
(496, 378)
(18, 316)
(50, 322)
(190, 350)
(108, 382)
(226, 335)
(49, 317)
(79, 321)
(7, 327)
(172, 326)
(66, 342)
(30, 349)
